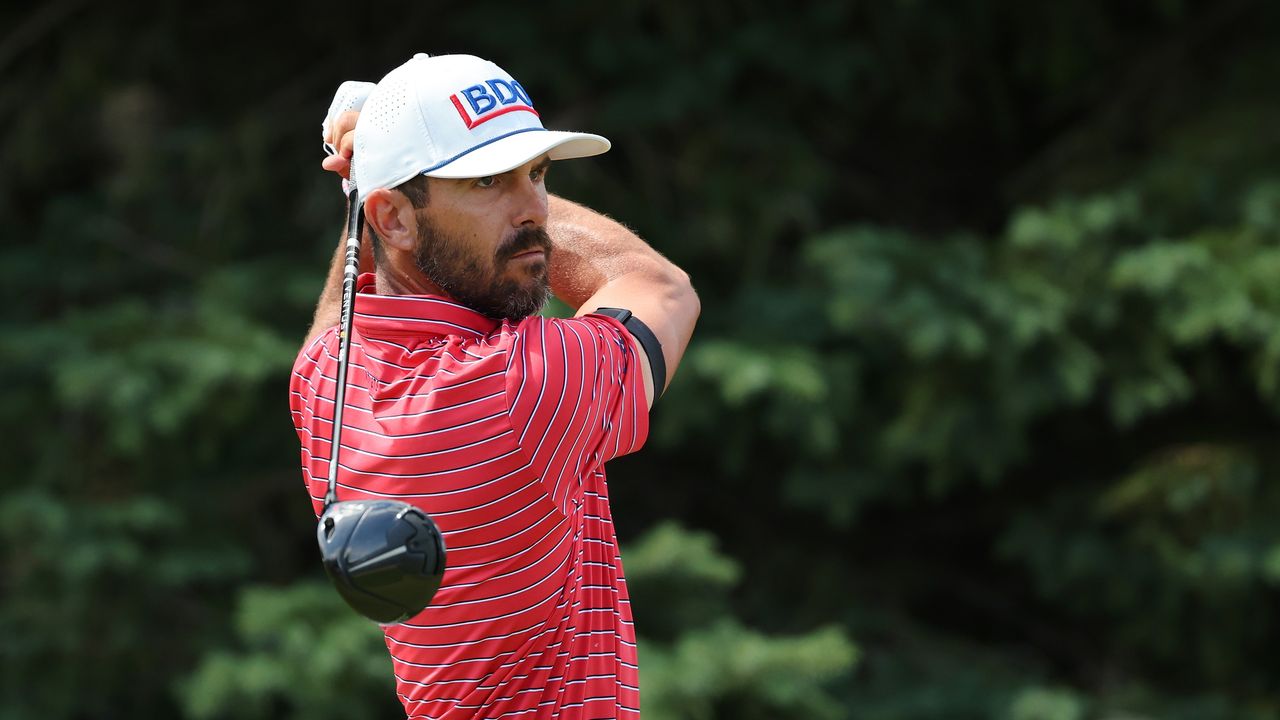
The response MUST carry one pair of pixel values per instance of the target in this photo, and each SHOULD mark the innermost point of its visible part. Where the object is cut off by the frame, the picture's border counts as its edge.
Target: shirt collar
(414, 314)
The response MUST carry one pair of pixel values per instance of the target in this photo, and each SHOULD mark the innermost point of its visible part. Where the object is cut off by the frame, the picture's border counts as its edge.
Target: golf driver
(385, 557)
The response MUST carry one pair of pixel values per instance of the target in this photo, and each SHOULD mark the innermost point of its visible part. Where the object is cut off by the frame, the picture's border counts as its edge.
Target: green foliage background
(979, 421)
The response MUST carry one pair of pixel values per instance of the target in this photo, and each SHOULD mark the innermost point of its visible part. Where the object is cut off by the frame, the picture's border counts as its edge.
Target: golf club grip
(351, 268)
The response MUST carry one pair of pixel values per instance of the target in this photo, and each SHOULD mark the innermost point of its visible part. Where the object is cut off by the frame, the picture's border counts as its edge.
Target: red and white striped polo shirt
(500, 431)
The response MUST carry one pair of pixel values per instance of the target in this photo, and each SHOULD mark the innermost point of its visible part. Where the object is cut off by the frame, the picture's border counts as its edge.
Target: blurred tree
(306, 655)
(986, 379)
(302, 654)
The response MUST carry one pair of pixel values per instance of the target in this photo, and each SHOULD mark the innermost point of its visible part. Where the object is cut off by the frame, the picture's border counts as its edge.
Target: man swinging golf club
(464, 410)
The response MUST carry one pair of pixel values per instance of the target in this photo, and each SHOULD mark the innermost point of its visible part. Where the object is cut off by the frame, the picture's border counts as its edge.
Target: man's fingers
(344, 132)
(342, 136)
(349, 97)
(345, 123)
(346, 144)
(339, 129)
(337, 163)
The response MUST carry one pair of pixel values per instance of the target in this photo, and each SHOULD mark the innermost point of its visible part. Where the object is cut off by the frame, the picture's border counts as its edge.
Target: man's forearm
(596, 262)
(589, 250)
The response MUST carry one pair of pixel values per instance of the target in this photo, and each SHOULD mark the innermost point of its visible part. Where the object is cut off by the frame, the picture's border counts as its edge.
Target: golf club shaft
(349, 272)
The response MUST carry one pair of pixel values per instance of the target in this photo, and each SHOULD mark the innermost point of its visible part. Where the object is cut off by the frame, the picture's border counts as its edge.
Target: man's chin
(514, 301)
(532, 305)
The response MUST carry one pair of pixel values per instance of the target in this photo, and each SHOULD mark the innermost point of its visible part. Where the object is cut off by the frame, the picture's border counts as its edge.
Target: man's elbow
(689, 296)
(680, 297)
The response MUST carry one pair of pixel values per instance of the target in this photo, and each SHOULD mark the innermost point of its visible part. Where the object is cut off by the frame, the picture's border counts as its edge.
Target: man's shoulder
(600, 326)
(314, 352)
(577, 346)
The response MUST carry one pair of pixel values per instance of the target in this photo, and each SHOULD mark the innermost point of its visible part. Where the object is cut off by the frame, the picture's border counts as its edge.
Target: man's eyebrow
(546, 163)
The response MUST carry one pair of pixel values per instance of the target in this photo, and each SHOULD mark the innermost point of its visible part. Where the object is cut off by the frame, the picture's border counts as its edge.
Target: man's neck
(395, 281)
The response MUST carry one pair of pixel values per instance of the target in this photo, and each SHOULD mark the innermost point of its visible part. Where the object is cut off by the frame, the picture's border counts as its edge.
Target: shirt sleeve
(305, 385)
(302, 392)
(577, 398)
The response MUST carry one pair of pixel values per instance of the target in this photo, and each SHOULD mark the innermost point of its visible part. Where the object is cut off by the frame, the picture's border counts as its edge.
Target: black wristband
(648, 341)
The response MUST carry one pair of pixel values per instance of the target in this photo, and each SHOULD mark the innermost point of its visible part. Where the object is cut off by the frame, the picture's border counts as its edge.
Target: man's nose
(530, 203)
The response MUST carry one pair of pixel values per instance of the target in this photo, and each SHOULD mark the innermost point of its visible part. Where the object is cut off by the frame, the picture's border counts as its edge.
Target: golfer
(494, 420)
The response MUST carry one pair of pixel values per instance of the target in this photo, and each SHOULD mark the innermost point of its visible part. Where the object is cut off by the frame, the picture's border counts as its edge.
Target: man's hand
(339, 126)
(342, 139)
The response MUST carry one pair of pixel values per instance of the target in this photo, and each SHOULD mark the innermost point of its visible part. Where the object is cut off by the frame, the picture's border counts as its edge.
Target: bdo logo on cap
(482, 103)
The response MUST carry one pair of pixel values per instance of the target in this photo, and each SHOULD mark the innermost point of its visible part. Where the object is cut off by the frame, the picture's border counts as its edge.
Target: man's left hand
(339, 126)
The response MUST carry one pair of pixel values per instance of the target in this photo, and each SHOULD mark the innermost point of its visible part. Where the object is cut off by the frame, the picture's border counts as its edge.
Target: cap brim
(511, 151)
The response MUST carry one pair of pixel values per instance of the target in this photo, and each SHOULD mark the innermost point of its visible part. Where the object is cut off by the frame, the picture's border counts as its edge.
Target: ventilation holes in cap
(387, 113)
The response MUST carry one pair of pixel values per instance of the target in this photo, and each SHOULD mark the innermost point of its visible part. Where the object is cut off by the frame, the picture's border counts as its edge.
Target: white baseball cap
(453, 116)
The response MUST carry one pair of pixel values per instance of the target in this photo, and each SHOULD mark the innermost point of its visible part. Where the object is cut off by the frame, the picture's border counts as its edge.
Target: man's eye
(486, 181)
(538, 173)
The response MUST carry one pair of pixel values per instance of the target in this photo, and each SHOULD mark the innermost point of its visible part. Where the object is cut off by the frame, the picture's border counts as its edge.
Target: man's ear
(391, 215)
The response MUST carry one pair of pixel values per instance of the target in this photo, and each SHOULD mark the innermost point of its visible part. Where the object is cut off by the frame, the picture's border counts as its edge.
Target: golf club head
(386, 558)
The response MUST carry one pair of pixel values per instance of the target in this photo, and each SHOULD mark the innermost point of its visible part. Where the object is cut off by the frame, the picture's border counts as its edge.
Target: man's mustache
(524, 240)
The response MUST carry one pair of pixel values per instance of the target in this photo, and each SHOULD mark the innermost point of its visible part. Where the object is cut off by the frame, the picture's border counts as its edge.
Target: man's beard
(483, 284)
